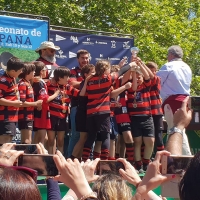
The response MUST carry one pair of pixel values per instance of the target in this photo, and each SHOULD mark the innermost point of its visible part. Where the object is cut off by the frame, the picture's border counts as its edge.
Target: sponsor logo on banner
(72, 54)
(61, 55)
(74, 39)
(113, 44)
(59, 38)
(51, 39)
(101, 55)
(87, 42)
(100, 42)
(113, 58)
(126, 45)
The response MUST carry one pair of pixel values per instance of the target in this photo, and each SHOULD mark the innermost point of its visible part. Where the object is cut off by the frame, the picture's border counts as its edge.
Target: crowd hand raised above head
(7, 155)
(89, 168)
(71, 174)
(153, 177)
(129, 174)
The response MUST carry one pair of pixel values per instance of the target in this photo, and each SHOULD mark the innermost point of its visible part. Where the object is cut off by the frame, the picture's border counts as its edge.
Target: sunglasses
(31, 172)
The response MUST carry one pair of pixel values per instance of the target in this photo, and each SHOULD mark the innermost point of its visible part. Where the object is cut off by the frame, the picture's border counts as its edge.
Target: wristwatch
(174, 130)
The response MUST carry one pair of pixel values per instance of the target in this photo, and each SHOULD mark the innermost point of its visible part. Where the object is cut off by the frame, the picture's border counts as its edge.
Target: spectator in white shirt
(176, 77)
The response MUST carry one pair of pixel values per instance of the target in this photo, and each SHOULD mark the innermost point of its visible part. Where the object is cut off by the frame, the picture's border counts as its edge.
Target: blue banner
(100, 47)
(22, 33)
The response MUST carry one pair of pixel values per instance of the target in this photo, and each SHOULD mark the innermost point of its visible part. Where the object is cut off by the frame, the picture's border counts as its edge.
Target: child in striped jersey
(26, 113)
(59, 107)
(98, 107)
(139, 109)
(41, 116)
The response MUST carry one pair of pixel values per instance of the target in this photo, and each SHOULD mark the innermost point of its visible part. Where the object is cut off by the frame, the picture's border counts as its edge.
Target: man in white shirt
(176, 77)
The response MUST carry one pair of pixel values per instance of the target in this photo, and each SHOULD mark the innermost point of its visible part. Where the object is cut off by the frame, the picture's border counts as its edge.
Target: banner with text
(22, 33)
(100, 47)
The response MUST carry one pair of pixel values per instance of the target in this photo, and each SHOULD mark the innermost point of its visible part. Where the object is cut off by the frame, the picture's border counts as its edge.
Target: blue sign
(22, 33)
(100, 47)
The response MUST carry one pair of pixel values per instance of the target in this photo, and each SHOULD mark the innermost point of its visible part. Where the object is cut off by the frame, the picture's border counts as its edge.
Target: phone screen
(27, 148)
(109, 166)
(194, 103)
(177, 164)
(43, 164)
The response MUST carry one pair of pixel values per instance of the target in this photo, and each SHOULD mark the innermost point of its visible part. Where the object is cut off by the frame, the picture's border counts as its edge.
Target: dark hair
(17, 185)
(101, 66)
(39, 66)
(60, 72)
(14, 63)
(82, 51)
(27, 69)
(189, 184)
(86, 69)
(152, 65)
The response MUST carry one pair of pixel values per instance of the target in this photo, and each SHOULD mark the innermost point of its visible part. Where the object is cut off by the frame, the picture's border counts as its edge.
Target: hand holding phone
(43, 164)
(174, 166)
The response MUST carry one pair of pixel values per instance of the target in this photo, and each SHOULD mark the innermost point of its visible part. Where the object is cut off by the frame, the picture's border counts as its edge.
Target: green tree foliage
(155, 24)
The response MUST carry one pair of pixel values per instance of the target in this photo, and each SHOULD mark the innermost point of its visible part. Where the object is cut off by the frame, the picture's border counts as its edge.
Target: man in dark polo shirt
(83, 57)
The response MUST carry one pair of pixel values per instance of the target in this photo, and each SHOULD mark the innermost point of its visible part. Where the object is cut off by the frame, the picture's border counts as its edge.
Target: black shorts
(158, 122)
(142, 126)
(58, 124)
(98, 123)
(25, 125)
(122, 127)
(81, 120)
(8, 128)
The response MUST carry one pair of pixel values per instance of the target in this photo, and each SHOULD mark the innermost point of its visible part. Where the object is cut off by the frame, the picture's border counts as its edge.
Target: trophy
(134, 51)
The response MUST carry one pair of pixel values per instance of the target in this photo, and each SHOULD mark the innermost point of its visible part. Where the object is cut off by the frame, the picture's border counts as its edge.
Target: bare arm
(5, 102)
(52, 97)
(182, 118)
(119, 90)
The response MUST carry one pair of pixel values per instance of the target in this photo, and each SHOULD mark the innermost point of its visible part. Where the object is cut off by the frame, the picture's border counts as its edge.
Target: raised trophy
(134, 51)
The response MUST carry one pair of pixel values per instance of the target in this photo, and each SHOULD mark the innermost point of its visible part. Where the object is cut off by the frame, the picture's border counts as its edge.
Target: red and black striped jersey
(59, 106)
(139, 102)
(98, 90)
(156, 103)
(75, 75)
(26, 94)
(41, 117)
(8, 91)
(121, 113)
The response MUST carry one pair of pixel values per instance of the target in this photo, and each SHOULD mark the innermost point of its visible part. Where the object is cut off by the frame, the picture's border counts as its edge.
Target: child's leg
(51, 141)
(26, 136)
(148, 139)
(39, 136)
(60, 140)
(25, 128)
(78, 149)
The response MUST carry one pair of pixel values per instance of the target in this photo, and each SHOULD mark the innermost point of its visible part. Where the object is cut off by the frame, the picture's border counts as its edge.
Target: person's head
(47, 50)
(189, 184)
(83, 57)
(174, 51)
(27, 71)
(61, 75)
(40, 69)
(16, 184)
(87, 70)
(102, 67)
(111, 187)
(152, 66)
(140, 78)
(14, 67)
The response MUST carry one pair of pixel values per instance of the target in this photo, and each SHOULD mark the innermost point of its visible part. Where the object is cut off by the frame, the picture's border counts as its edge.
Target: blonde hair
(115, 68)
(101, 66)
(111, 187)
